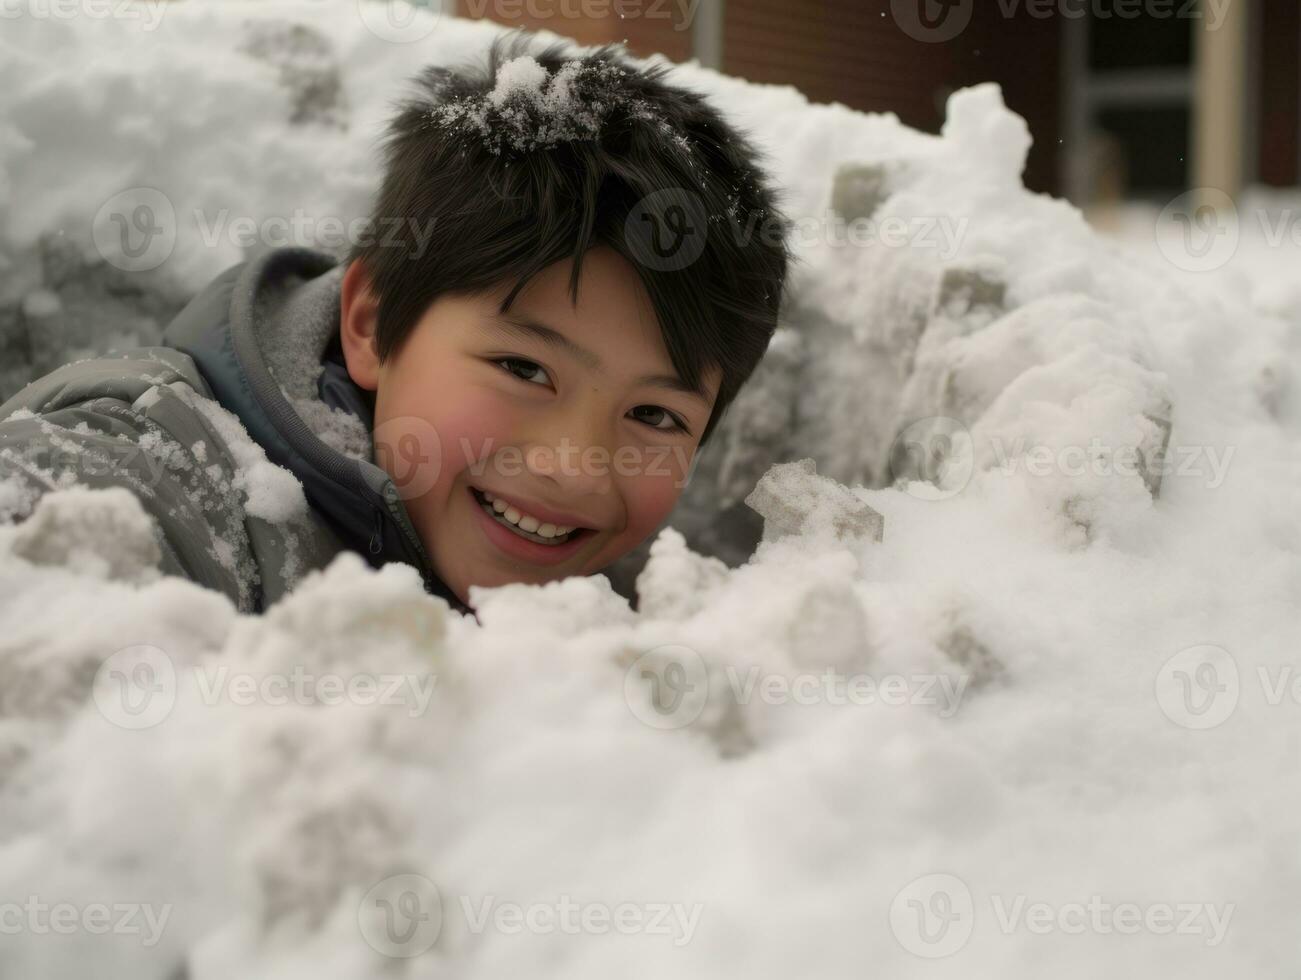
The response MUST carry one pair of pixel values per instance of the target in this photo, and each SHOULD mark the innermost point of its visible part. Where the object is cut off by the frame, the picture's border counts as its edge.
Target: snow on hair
(529, 108)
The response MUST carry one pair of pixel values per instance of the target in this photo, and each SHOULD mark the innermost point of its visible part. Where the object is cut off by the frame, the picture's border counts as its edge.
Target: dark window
(1140, 38)
(1151, 142)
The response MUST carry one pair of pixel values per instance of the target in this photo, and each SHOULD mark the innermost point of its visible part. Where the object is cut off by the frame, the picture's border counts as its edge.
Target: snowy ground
(1048, 725)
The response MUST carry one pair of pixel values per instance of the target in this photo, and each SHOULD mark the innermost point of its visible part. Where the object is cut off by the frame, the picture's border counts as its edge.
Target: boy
(449, 396)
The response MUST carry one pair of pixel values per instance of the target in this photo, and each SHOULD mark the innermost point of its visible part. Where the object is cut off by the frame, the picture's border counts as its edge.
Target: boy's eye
(529, 369)
(674, 423)
(660, 418)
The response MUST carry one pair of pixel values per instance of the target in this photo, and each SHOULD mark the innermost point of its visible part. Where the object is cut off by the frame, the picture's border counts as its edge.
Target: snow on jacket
(243, 437)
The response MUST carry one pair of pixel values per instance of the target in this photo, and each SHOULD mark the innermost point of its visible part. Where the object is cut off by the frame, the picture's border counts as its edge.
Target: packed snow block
(105, 533)
(753, 435)
(15, 358)
(46, 326)
(850, 375)
(1064, 377)
(86, 307)
(961, 645)
(308, 69)
(1274, 386)
(793, 499)
(859, 189)
(962, 290)
(1155, 444)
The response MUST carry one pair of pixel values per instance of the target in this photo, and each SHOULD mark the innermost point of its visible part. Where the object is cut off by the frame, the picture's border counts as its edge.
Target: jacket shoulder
(121, 376)
(144, 419)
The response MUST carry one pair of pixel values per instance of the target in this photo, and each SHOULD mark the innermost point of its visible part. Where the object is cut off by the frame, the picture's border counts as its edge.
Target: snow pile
(1047, 719)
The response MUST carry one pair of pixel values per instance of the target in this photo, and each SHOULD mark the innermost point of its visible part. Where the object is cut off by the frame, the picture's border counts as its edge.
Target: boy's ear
(358, 319)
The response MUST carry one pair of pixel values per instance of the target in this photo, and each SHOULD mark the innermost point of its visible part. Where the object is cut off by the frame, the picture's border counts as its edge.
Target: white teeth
(526, 525)
(526, 521)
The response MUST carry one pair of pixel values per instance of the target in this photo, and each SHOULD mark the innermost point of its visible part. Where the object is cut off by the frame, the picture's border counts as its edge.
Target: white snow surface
(1071, 700)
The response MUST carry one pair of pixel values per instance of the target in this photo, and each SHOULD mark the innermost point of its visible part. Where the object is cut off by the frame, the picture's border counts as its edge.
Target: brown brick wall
(848, 51)
(1279, 97)
(837, 51)
(657, 26)
(852, 51)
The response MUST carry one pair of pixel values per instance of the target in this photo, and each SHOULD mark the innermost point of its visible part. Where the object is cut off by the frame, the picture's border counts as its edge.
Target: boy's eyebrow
(524, 326)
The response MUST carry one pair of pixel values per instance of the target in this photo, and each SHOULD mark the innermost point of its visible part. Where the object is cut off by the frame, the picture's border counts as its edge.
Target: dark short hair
(509, 187)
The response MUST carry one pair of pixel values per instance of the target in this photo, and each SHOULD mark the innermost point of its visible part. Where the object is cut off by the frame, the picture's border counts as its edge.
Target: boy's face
(573, 431)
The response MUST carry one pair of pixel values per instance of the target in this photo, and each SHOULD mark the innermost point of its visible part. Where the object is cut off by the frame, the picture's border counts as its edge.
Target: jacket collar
(289, 298)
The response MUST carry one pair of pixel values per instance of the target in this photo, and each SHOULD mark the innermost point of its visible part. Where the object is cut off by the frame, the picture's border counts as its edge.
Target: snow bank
(1046, 722)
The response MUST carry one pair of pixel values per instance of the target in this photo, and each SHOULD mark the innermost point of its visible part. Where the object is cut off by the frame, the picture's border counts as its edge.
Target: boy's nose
(578, 468)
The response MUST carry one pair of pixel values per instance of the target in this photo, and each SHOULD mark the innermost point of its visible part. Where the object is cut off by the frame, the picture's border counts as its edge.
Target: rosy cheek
(470, 432)
(647, 501)
(456, 430)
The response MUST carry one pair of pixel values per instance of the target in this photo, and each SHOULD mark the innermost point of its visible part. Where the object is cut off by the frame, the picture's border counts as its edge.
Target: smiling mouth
(558, 539)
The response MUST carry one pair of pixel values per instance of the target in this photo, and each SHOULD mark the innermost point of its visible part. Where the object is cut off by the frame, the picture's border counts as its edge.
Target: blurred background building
(1128, 100)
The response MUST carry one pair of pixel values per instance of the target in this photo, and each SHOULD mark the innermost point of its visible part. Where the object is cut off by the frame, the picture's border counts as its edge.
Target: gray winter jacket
(262, 341)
